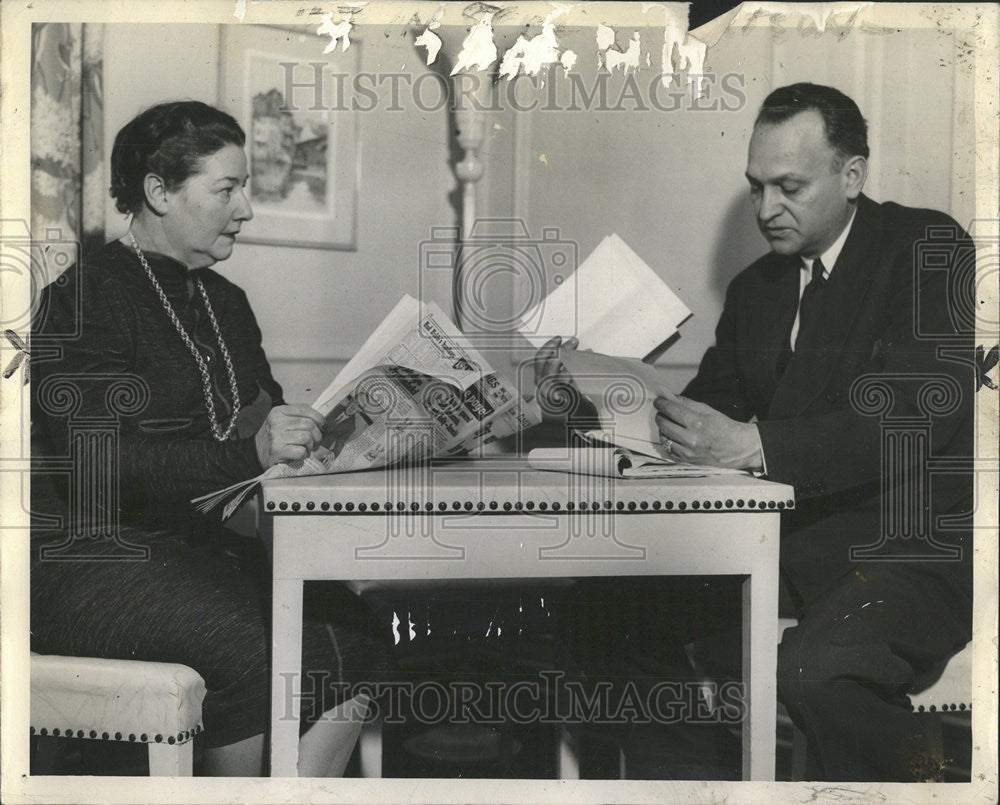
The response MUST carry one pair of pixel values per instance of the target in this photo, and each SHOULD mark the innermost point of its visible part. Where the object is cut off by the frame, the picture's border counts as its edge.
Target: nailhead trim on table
(179, 738)
(530, 505)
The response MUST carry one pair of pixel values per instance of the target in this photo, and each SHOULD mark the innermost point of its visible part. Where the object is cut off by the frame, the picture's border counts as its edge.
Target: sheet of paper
(614, 303)
(641, 446)
(622, 390)
(610, 462)
(578, 460)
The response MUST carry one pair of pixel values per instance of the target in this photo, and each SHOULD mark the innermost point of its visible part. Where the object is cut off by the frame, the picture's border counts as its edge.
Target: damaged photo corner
(473, 156)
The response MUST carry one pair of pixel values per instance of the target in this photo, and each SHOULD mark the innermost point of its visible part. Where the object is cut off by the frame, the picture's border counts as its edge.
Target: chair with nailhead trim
(950, 691)
(158, 704)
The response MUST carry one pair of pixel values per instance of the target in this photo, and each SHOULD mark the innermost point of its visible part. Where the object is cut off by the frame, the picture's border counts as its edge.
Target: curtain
(68, 186)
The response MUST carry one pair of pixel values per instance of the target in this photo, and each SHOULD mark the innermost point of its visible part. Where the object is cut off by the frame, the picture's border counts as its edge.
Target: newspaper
(417, 389)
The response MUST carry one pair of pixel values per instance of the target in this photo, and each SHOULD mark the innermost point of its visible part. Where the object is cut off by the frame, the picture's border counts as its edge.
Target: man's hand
(547, 363)
(556, 393)
(698, 434)
(290, 433)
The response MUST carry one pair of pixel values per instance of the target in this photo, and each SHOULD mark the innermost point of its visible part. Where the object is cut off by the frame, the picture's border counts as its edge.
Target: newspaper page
(417, 389)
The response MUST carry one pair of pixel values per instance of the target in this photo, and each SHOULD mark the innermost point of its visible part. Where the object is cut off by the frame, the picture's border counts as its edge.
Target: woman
(153, 340)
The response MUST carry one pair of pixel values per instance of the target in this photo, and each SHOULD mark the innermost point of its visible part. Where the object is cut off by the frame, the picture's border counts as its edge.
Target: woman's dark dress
(201, 596)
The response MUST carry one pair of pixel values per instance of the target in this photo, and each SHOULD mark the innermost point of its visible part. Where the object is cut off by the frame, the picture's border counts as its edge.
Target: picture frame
(303, 156)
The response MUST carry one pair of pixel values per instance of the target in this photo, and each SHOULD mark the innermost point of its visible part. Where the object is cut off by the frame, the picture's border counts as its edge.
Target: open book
(417, 389)
(616, 462)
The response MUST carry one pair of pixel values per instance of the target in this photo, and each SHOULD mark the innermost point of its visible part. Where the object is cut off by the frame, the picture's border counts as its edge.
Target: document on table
(614, 303)
(616, 462)
(622, 390)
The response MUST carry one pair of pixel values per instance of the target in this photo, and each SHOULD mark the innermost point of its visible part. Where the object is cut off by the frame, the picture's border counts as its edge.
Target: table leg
(286, 676)
(567, 766)
(760, 664)
(371, 750)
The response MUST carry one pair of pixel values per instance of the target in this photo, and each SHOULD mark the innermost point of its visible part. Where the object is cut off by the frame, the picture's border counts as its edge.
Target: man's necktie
(807, 306)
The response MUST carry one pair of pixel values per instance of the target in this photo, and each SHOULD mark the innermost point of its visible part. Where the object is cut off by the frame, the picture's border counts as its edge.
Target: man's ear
(155, 190)
(855, 173)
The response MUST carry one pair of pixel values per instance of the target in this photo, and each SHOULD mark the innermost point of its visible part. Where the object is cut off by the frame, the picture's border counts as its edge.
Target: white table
(500, 519)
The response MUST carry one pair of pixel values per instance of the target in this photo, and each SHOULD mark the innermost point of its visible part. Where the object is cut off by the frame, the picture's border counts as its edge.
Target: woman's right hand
(290, 433)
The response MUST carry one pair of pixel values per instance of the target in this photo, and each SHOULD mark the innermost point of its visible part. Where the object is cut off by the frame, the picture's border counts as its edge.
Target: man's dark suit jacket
(898, 307)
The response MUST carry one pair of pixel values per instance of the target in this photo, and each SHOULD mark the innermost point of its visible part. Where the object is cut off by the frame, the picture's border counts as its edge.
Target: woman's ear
(155, 190)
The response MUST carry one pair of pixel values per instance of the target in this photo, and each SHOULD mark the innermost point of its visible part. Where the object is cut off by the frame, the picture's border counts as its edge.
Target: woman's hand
(290, 433)
(556, 393)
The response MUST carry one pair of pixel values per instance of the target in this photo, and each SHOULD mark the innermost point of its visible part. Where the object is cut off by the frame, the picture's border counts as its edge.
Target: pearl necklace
(217, 432)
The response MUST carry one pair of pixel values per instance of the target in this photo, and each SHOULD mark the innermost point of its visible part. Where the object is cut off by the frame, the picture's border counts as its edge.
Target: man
(842, 309)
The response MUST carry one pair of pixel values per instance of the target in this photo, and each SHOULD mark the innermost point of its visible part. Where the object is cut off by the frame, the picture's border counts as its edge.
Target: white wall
(148, 64)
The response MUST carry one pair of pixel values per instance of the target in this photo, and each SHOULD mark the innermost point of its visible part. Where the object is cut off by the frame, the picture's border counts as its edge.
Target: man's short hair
(846, 130)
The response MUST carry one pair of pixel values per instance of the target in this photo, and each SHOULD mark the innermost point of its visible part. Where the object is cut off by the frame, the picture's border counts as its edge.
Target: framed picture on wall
(302, 147)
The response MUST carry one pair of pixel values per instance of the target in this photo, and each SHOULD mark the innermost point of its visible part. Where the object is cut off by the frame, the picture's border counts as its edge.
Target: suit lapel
(819, 344)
